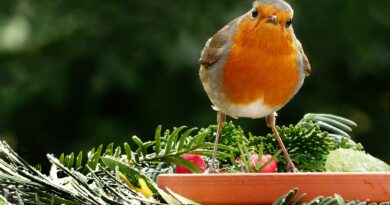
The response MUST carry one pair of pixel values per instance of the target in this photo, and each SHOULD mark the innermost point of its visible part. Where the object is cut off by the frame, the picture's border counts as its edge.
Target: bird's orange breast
(264, 68)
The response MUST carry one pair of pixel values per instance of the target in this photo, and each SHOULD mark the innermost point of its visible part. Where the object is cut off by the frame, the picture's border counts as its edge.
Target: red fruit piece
(195, 159)
(270, 168)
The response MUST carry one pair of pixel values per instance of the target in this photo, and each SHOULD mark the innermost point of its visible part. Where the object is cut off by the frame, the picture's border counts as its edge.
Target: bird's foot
(212, 169)
(291, 168)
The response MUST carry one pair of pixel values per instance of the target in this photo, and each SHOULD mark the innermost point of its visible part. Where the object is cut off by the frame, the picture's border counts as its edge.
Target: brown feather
(306, 64)
(217, 45)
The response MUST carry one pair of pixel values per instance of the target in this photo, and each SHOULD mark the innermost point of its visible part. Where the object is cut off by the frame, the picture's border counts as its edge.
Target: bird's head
(268, 22)
(272, 12)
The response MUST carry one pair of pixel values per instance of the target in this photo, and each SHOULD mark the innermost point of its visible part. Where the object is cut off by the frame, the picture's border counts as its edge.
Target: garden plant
(125, 175)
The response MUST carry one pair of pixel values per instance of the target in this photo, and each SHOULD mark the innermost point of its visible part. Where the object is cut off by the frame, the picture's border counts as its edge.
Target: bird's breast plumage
(266, 68)
(257, 72)
(249, 75)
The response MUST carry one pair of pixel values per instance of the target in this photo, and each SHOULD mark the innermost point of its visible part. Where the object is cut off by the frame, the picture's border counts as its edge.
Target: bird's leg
(220, 120)
(271, 123)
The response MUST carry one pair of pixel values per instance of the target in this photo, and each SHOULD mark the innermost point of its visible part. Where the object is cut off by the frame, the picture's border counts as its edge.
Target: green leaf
(183, 138)
(209, 153)
(109, 150)
(79, 160)
(346, 160)
(332, 128)
(248, 158)
(185, 163)
(66, 159)
(145, 147)
(328, 201)
(334, 123)
(279, 200)
(70, 160)
(157, 137)
(37, 201)
(271, 159)
(141, 149)
(148, 144)
(128, 151)
(90, 153)
(260, 157)
(3, 201)
(245, 158)
(181, 199)
(168, 198)
(339, 119)
(118, 152)
(93, 160)
(299, 199)
(172, 139)
(112, 162)
(315, 201)
(138, 142)
(131, 173)
(220, 146)
(194, 141)
(62, 158)
(286, 199)
(340, 200)
(290, 195)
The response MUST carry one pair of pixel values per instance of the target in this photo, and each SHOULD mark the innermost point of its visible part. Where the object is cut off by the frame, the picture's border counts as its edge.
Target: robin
(253, 66)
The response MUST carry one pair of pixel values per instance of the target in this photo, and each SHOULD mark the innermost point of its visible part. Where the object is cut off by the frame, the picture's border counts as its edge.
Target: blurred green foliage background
(75, 74)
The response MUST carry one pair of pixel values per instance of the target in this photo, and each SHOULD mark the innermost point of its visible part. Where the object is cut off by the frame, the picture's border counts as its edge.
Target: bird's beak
(272, 19)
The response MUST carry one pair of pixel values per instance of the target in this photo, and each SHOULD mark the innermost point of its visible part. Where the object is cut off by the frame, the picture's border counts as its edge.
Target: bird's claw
(291, 168)
(212, 170)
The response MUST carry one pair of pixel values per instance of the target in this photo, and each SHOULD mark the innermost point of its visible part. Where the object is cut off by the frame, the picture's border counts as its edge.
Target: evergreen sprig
(292, 198)
(21, 183)
(153, 157)
(306, 142)
(245, 164)
(121, 175)
(336, 125)
(308, 147)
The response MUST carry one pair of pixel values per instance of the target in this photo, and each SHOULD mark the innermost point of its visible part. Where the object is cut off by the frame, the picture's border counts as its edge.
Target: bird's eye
(288, 23)
(254, 12)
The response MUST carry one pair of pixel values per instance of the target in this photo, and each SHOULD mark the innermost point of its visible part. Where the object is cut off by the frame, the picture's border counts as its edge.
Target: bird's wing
(216, 45)
(306, 64)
